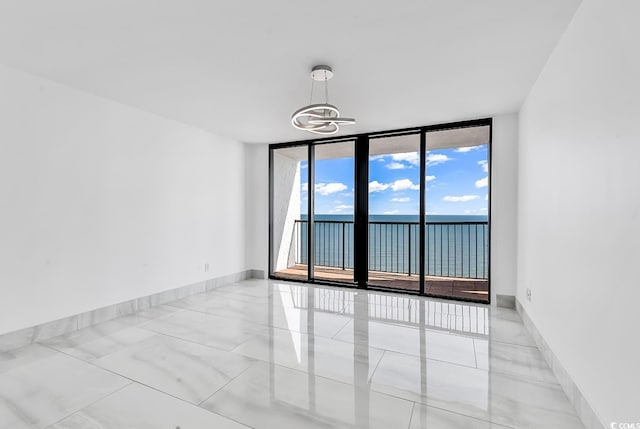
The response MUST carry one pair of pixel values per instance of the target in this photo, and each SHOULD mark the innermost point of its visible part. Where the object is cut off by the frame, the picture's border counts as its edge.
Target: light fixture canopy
(320, 118)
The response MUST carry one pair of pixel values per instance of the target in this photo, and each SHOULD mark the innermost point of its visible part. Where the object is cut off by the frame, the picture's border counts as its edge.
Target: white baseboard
(584, 410)
(24, 337)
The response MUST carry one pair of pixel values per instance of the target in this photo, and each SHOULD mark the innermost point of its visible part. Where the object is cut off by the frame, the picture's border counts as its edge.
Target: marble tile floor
(270, 354)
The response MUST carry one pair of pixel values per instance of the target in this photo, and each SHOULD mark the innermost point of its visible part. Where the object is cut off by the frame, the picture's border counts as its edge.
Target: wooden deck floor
(445, 287)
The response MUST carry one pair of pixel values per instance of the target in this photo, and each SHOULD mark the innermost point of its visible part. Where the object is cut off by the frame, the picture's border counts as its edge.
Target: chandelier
(323, 118)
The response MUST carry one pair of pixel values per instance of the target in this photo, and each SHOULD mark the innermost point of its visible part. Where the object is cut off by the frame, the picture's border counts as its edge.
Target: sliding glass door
(394, 209)
(333, 208)
(456, 252)
(406, 210)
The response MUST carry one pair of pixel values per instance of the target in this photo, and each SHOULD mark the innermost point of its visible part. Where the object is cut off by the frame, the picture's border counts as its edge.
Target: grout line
(478, 419)
(434, 360)
(257, 324)
(413, 410)
(324, 377)
(377, 365)
(229, 382)
(195, 342)
(333, 337)
(475, 353)
(90, 404)
(132, 381)
(492, 371)
(514, 344)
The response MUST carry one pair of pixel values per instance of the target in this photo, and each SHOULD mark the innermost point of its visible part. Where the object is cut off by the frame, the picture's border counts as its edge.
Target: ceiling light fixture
(321, 118)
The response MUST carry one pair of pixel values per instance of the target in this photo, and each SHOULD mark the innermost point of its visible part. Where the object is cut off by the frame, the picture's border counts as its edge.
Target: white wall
(286, 203)
(101, 203)
(257, 203)
(504, 201)
(579, 205)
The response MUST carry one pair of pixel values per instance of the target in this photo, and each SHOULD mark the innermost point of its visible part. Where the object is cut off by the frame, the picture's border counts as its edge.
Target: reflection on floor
(445, 287)
(268, 354)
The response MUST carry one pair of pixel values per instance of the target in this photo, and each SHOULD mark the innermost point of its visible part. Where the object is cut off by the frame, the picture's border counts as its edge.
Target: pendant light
(323, 118)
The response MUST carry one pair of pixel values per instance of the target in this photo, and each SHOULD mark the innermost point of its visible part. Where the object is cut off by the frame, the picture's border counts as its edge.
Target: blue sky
(456, 183)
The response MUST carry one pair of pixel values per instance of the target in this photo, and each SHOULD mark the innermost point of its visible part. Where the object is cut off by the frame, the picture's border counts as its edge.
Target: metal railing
(452, 249)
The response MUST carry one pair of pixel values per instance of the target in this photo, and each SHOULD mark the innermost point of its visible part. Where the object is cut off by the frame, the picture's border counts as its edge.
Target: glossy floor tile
(324, 357)
(147, 315)
(485, 395)
(271, 396)
(526, 362)
(220, 332)
(425, 417)
(45, 390)
(23, 356)
(99, 340)
(279, 310)
(139, 407)
(267, 354)
(510, 331)
(183, 369)
(411, 340)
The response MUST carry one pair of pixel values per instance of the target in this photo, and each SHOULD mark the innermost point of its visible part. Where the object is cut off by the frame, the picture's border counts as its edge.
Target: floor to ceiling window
(406, 210)
(456, 251)
(333, 207)
(394, 209)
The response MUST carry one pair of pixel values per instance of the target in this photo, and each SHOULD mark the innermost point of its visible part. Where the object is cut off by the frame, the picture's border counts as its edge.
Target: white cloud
(342, 207)
(467, 149)
(348, 193)
(485, 165)
(461, 198)
(482, 183)
(475, 212)
(376, 186)
(305, 187)
(486, 197)
(379, 158)
(395, 166)
(392, 212)
(330, 188)
(398, 185)
(401, 199)
(410, 157)
(403, 185)
(429, 178)
(436, 158)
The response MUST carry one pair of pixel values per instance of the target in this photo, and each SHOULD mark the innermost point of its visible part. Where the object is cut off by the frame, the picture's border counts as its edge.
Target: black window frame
(361, 200)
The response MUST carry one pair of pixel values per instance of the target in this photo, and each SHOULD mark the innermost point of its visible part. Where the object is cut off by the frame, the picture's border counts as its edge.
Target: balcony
(456, 256)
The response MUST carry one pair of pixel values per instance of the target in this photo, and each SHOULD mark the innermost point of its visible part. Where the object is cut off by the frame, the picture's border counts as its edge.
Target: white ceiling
(240, 68)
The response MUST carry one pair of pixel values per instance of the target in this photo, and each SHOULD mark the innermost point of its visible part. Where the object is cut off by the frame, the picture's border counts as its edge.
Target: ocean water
(455, 246)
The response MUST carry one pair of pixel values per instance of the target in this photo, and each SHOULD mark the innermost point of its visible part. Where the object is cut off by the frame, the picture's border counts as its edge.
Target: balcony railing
(452, 249)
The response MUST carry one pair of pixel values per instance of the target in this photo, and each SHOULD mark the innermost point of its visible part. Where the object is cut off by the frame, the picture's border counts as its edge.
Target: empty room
(356, 214)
